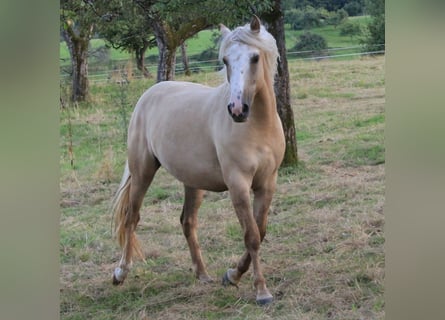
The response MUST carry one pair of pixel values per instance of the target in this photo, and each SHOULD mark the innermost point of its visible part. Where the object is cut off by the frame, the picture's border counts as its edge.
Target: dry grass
(323, 255)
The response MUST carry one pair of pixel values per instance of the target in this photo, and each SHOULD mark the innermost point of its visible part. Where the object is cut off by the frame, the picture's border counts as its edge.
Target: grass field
(323, 255)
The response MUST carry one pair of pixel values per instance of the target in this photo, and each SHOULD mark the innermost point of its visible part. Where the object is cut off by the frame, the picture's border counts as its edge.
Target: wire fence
(124, 67)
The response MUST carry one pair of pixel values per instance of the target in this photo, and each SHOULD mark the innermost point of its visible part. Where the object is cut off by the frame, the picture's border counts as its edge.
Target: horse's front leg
(254, 227)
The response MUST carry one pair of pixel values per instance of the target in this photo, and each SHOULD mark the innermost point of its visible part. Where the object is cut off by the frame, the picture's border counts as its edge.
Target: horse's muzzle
(241, 116)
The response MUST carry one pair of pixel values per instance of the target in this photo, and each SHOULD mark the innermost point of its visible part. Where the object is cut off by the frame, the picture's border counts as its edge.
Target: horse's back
(175, 94)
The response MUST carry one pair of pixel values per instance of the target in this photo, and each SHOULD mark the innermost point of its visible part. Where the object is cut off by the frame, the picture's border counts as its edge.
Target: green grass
(330, 33)
(374, 120)
(323, 255)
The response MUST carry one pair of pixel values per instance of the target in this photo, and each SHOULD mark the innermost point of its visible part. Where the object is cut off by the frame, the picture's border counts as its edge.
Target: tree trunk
(140, 63)
(80, 76)
(166, 65)
(185, 59)
(167, 62)
(78, 49)
(167, 51)
(168, 40)
(275, 22)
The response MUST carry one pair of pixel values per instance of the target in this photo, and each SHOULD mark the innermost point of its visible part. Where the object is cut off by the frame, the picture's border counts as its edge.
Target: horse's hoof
(226, 280)
(116, 282)
(264, 300)
(205, 279)
(118, 278)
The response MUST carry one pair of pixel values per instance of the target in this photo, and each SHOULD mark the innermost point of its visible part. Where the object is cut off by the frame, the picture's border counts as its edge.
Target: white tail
(120, 209)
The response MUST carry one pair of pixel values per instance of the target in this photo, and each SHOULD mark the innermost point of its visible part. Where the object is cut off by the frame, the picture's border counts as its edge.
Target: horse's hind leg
(142, 173)
(189, 221)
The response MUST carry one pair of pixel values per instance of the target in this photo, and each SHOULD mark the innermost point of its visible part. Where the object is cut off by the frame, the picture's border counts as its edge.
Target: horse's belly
(197, 175)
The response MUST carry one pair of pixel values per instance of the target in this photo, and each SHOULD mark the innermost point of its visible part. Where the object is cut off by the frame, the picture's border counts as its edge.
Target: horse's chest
(257, 160)
(265, 160)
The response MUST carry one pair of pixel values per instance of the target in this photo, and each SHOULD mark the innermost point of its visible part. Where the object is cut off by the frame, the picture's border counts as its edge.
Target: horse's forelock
(263, 40)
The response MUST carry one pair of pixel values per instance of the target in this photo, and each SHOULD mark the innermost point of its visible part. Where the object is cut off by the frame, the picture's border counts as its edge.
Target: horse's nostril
(229, 107)
(245, 108)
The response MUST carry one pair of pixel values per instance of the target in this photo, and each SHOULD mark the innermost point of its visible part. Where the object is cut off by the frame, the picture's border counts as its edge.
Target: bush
(376, 28)
(312, 42)
(354, 8)
(208, 54)
(305, 19)
(336, 18)
(294, 18)
(350, 29)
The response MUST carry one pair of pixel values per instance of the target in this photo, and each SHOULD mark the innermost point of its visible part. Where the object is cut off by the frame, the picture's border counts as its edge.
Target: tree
(337, 18)
(175, 21)
(305, 18)
(77, 22)
(275, 21)
(172, 22)
(351, 29)
(169, 37)
(125, 26)
(185, 59)
(354, 7)
(311, 44)
(376, 28)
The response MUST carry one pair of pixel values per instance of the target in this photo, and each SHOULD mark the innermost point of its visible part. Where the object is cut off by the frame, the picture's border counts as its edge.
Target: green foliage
(173, 22)
(312, 42)
(177, 13)
(306, 18)
(354, 8)
(77, 14)
(124, 25)
(338, 17)
(309, 17)
(333, 38)
(77, 21)
(376, 28)
(351, 29)
(203, 47)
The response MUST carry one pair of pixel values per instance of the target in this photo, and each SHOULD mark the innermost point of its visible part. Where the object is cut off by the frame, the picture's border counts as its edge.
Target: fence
(124, 66)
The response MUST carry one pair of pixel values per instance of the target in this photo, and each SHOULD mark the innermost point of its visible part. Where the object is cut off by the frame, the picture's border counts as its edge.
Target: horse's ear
(224, 30)
(255, 24)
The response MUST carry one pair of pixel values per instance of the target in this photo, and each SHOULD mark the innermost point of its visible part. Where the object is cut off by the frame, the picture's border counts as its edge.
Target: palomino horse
(185, 128)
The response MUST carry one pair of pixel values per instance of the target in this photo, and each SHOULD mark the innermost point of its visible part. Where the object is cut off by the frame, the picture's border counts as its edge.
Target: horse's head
(247, 64)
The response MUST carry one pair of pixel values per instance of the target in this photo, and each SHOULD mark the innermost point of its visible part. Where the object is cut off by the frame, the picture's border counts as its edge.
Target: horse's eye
(254, 58)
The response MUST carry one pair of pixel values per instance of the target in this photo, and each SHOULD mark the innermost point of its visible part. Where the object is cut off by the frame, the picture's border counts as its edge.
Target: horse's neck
(264, 106)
